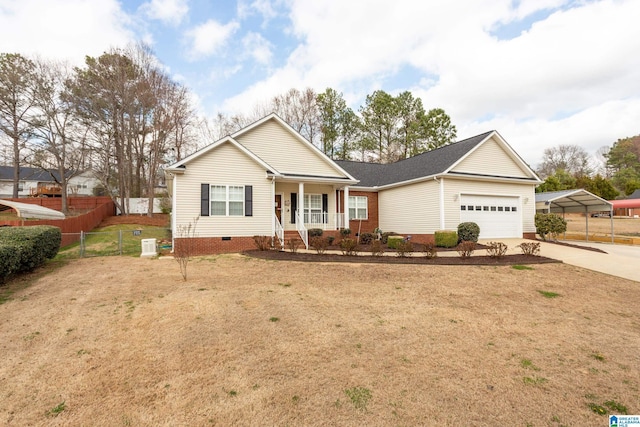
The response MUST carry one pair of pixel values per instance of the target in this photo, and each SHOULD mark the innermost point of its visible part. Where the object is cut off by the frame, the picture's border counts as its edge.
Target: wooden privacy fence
(71, 227)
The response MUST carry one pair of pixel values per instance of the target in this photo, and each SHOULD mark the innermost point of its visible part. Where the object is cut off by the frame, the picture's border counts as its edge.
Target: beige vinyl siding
(453, 188)
(287, 188)
(411, 208)
(225, 165)
(491, 153)
(279, 148)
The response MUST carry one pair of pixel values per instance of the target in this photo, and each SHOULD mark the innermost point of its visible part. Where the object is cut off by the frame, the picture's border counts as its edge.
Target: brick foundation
(531, 236)
(215, 245)
(371, 223)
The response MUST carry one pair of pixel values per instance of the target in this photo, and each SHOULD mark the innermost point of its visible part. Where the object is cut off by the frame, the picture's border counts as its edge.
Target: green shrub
(366, 238)
(26, 248)
(468, 232)
(330, 240)
(446, 239)
(9, 261)
(315, 232)
(349, 247)
(550, 225)
(385, 236)
(345, 232)
(393, 241)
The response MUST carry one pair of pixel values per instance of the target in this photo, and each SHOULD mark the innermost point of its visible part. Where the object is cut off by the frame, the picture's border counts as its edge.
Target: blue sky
(541, 72)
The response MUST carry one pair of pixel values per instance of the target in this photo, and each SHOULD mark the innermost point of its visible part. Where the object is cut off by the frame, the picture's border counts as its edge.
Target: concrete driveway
(619, 260)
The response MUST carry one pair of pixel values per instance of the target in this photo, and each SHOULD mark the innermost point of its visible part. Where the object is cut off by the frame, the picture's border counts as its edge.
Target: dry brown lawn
(621, 226)
(119, 341)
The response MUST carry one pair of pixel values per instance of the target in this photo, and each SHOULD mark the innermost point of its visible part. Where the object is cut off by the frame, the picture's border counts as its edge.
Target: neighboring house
(35, 182)
(628, 207)
(266, 179)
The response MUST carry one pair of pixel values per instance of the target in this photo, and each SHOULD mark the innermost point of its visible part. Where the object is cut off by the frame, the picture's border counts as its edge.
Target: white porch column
(346, 207)
(273, 207)
(301, 200)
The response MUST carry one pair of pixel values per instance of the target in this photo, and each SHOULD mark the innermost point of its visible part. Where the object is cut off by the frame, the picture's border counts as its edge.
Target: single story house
(266, 179)
(35, 182)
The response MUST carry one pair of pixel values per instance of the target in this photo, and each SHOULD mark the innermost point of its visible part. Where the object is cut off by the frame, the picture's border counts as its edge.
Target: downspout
(611, 216)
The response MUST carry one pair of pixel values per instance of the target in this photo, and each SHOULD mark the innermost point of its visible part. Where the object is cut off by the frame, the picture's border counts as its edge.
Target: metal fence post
(81, 243)
(120, 241)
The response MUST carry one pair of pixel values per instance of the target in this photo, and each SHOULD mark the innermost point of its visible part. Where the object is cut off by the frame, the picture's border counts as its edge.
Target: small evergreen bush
(385, 236)
(366, 238)
(26, 248)
(550, 225)
(446, 239)
(345, 232)
(468, 232)
(315, 232)
(393, 241)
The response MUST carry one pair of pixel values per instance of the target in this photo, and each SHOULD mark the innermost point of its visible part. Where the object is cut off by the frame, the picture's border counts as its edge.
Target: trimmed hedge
(26, 248)
(393, 241)
(315, 232)
(550, 225)
(446, 239)
(468, 232)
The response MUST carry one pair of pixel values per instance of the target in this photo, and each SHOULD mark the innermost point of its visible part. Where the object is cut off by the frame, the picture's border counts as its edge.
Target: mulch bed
(570, 245)
(414, 259)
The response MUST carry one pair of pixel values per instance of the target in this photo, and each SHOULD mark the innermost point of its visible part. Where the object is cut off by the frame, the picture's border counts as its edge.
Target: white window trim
(354, 205)
(307, 212)
(227, 200)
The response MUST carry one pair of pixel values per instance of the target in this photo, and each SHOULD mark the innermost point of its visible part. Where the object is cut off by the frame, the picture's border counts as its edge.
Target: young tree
(17, 77)
(58, 138)
(572, 159)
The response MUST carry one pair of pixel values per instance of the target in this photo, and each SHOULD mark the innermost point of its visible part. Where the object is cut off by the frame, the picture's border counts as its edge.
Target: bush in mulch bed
(416, 259)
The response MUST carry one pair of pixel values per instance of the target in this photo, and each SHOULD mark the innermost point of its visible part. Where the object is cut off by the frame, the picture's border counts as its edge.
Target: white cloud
(169, 11)
(63, 29)
(578, 62)
(265, 8)
(258, 48)
(207, 39)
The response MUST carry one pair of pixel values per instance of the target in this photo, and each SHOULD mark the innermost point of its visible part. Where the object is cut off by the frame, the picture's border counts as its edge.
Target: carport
(574, 201)
(28, 210)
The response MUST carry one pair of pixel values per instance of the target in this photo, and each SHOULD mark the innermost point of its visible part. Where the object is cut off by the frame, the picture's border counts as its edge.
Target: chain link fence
(126, 242)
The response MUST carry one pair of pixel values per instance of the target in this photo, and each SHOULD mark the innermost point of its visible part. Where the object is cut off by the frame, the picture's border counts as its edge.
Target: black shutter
(294, 206)
(204, 199)
(248, 200)
(325, 208)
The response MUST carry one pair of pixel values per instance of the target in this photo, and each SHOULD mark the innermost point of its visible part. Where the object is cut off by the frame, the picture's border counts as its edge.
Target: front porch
(302, 206)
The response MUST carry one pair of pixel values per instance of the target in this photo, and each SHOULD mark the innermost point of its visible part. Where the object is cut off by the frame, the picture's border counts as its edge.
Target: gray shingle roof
(426, 164)
(28, 174)
(635, 195)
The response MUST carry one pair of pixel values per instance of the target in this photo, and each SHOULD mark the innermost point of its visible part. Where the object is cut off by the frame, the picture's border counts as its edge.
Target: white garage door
(497, 216)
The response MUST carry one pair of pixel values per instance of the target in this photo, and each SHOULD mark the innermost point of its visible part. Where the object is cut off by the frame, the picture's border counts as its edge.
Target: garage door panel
(497, 216)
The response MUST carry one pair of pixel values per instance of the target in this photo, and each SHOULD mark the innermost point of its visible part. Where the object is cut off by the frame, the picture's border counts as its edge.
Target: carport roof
(571, 201)
(28, 210)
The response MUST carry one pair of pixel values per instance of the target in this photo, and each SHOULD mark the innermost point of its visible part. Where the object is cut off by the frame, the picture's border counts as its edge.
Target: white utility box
(148, 248)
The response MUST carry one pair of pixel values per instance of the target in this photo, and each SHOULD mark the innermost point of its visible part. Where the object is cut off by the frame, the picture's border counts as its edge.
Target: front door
(278, 207)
